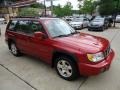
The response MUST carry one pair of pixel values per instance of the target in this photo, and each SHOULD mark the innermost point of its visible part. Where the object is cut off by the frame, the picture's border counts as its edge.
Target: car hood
(75, 22)
(84, 42)
(97, 23)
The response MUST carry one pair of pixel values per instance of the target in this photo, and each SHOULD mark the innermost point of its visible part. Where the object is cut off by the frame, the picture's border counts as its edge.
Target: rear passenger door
(22, 28)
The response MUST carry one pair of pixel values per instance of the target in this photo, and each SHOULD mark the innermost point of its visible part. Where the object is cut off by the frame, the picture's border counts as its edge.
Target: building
(9, 8)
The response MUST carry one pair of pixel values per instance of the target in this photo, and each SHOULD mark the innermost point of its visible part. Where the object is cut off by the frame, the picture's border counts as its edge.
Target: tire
(89, 29)
(82, 26)
(66, 68)
(14, 50)
(103, 28)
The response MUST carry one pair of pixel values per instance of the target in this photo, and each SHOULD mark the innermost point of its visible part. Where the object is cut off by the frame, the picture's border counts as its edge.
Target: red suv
(55, 42)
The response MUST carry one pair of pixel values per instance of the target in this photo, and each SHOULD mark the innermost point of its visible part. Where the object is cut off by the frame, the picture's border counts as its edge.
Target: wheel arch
(63, 53)
(9, 42)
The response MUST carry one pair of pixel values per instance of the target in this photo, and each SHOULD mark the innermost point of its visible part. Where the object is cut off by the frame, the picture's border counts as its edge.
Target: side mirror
(39, 35)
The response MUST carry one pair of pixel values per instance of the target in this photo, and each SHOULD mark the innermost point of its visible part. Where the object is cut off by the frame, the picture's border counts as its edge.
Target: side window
(12, 25)
(23, 26)
(29, 27)
(36, 26)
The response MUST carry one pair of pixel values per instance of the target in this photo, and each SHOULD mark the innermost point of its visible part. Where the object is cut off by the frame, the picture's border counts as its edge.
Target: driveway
(28, 73)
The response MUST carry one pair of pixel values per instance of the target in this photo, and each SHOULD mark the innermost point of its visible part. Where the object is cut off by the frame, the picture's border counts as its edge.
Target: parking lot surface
(28, 73)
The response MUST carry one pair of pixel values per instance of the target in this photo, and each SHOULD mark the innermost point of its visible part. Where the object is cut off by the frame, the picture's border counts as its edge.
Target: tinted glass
(29, 27)
(23, 26)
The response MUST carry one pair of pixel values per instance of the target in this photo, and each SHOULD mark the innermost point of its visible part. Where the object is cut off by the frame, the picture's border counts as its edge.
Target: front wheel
(66, 68)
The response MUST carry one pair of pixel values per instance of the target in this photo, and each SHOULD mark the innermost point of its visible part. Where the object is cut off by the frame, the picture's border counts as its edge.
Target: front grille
(107, 51)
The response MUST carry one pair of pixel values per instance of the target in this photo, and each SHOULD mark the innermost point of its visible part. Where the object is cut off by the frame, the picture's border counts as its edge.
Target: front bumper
(76, 26)
(95, 27)
(89, 70)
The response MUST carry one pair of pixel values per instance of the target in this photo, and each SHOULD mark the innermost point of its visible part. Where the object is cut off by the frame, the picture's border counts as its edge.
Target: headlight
(95, 57)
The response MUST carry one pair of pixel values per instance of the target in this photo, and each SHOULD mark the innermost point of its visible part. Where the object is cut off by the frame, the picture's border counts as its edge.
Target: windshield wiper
(66, 34)
(61, 36)
(75, 32)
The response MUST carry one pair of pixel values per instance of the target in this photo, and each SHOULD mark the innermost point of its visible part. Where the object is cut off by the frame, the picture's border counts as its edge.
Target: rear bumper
(90, 70)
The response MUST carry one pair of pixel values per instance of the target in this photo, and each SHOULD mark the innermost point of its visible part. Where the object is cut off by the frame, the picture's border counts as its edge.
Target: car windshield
(98, 20)
(78, 20)
(58, 28)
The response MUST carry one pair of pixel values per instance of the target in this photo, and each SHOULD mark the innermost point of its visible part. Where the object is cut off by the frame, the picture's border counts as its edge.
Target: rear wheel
(66, 68)
(14, 50)
(89, 29)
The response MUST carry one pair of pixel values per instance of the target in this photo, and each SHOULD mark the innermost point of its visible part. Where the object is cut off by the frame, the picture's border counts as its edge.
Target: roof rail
(24, 17)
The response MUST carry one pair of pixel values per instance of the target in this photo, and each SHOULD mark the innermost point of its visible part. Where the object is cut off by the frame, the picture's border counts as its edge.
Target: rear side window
(23, 26)
(12, 25)
(28, 27)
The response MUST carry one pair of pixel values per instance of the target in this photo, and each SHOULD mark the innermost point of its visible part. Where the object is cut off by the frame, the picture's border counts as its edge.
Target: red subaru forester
(55, 42)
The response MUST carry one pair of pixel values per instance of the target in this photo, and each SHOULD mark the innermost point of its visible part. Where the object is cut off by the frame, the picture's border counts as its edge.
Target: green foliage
(37, 5)
(88, 7)
(107, 7)
(67, 9)
(63, 11)
(58, 11)
(29, 12)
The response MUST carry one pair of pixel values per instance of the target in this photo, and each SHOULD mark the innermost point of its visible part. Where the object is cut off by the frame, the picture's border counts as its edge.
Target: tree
(63, 11)
(29, 12)
(37, 5)
(67, 9)
(58, 11)
(107, 7)
(88, 7)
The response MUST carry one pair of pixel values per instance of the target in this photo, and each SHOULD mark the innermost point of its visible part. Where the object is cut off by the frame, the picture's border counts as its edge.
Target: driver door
(39, 47)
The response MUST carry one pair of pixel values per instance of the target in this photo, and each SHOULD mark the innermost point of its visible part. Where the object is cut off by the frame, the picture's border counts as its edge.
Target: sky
(63, 2)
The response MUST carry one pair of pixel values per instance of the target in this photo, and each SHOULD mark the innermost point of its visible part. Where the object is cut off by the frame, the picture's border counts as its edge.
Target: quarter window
(12, 25)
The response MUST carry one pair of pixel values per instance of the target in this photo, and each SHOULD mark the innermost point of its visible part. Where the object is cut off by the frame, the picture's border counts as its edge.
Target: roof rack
(25, 17)
(30, 17)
